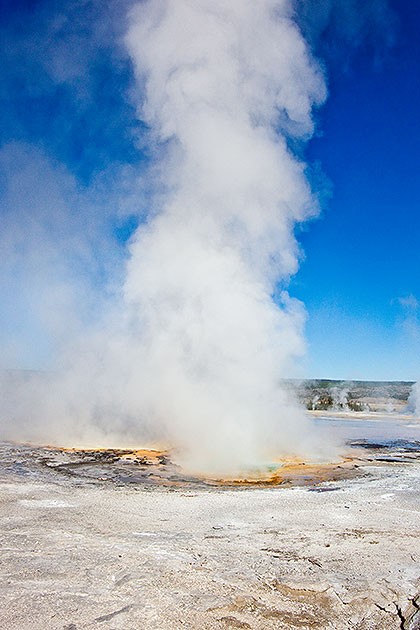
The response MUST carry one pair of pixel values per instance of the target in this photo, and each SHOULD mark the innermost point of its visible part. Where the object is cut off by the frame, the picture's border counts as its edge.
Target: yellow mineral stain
(291, 470)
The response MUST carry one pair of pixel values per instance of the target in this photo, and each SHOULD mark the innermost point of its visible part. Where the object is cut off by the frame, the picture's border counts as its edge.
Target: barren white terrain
(89, 551)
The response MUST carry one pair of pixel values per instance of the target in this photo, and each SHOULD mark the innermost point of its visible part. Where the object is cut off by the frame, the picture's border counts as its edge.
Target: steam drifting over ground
(414, 399)
(193, 347)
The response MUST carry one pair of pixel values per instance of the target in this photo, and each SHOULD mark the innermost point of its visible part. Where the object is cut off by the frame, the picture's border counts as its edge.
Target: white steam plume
(195, 349)
(413, 404)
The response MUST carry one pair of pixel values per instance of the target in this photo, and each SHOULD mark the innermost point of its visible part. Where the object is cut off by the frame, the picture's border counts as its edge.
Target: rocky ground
(103, 541)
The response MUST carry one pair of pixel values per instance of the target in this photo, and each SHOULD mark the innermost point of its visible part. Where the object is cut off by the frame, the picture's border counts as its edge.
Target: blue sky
(67, 121)
(362, 257)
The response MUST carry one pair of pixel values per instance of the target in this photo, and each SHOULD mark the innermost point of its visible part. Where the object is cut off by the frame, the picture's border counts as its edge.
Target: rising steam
(414, 399)
(193, 349)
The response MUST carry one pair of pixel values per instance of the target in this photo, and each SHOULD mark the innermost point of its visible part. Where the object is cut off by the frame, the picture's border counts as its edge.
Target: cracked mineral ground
(123, 539)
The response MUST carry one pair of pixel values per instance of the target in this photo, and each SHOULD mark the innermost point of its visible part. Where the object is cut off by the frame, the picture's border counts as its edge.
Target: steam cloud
(194, 345)
(414, 399)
